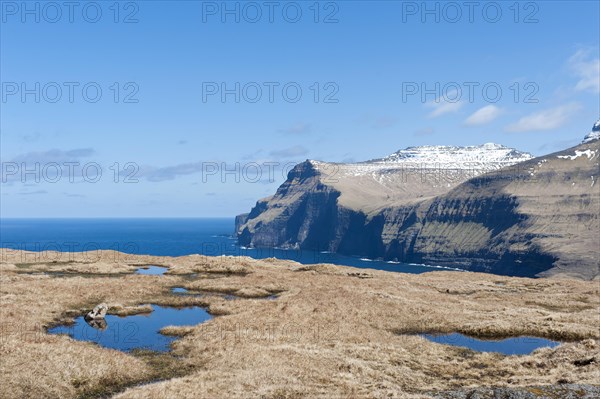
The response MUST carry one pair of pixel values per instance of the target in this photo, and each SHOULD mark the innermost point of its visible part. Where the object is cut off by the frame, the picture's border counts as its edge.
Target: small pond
(228, 297)
(152, 270)
(185, 291)
(508, 346)
(139, 331)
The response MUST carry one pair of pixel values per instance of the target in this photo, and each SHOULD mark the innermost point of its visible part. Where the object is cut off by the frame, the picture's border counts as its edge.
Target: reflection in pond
(98, 324)
(508, 346)
(139, 331)
(152, 270)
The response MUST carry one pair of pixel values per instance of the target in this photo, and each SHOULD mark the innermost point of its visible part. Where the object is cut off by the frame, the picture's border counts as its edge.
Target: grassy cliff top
(332, 331)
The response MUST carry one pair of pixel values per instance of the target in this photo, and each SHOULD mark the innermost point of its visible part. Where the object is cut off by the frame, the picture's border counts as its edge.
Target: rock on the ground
(566, 391)
(99, 312)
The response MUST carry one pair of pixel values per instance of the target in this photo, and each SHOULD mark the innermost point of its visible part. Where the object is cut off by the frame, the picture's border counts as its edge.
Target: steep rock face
(538, 217)
(302, 211)
(240, 221)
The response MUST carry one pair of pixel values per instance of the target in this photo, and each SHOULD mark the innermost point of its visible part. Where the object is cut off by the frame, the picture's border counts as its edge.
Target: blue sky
(362, 68)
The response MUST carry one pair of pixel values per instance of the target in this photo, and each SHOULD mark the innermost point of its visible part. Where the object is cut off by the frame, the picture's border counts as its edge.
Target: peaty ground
(330, 331)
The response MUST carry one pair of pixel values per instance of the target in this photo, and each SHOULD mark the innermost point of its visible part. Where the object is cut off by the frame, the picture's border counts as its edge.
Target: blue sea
(163, 237)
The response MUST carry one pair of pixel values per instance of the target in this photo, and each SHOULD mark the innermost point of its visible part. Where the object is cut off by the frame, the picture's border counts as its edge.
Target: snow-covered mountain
(456, 163)
(594, 134)
(488, 156)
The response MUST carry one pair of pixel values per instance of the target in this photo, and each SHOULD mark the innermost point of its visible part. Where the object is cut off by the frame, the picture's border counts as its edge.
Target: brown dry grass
(332, 331)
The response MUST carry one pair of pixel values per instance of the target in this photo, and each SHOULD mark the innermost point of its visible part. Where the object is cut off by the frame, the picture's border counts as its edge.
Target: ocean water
(163, 237)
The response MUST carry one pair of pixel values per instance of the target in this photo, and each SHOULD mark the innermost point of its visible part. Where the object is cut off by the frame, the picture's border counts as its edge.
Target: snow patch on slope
(594, 134)
(588, 153)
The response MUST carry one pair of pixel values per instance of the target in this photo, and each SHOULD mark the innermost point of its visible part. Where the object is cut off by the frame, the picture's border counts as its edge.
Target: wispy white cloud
(218, 169)
(587, 69)
(378, 121)
(442, 105)
(289, 152)
(30, 138)
(483, 115)
(426, 131)
(37, 192)
(253, 155)
(548, 119)
(54, 155)
(160, 174)
(298, 128)
(384, 122)
(38, 160)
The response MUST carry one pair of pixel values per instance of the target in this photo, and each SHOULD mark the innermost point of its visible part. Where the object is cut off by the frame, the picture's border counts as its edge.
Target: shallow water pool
(152, 270)
(508, 346)
(228, 297)
(139, 331)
